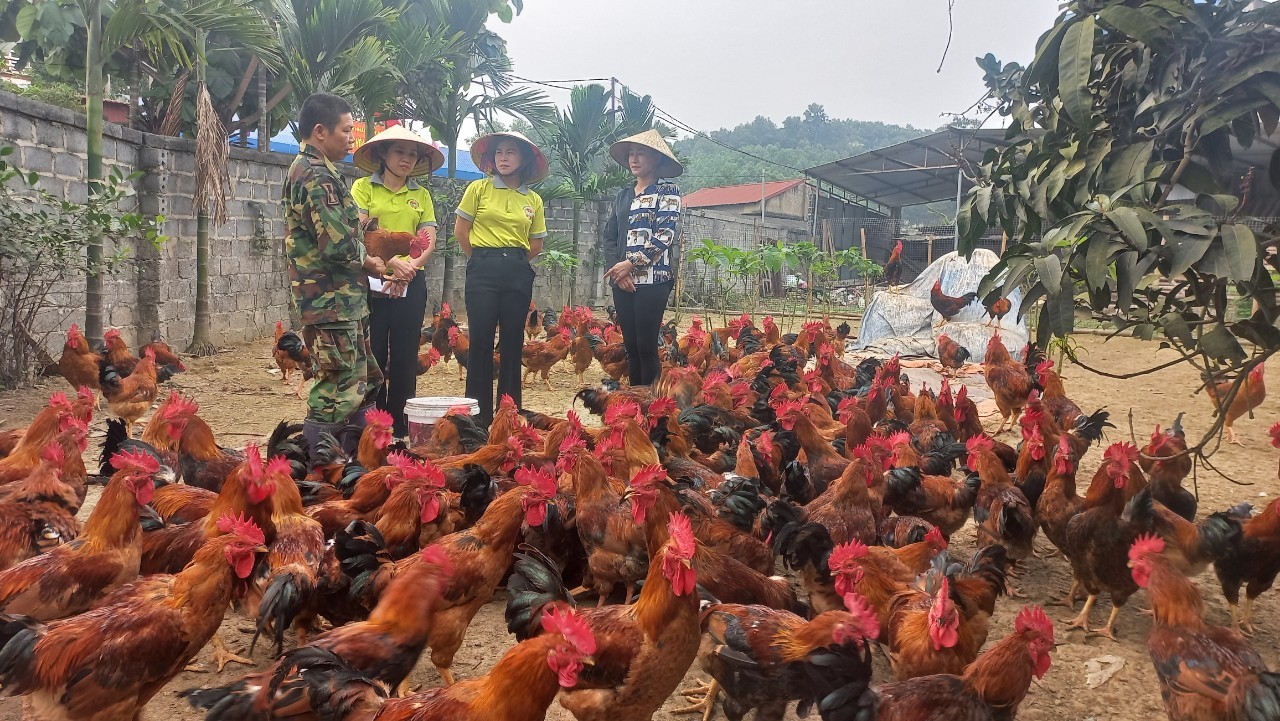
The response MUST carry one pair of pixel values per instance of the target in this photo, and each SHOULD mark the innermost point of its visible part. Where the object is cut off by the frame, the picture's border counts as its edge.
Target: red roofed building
(786, 199)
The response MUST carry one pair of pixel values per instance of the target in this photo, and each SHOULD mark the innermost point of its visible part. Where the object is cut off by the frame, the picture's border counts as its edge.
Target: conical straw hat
(480, 148)
(670, 166)
(431, 159)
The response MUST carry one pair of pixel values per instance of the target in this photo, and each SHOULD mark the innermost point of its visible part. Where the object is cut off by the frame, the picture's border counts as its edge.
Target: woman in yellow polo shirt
(500, 226)
(395, 157)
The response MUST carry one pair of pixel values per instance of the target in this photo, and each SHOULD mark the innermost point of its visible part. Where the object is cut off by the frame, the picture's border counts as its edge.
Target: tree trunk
(200, 344)
(135, 90)
(577, 226)
(446, 283)
(93, 126)
(264, 121)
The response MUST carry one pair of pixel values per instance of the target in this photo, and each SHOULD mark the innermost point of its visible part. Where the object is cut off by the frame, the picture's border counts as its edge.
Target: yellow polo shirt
(502, 217)
(406, 210)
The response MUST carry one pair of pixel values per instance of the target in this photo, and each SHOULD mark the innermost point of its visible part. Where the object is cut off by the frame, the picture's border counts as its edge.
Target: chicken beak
(588, 661)
(260, 549)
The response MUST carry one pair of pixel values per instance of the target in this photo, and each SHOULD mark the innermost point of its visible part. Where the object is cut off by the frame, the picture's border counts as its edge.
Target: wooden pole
(1004, 242)
(863, 233)
(930, 251)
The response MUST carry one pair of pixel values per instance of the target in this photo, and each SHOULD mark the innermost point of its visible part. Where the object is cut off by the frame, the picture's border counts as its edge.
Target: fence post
(1004, 241)
(930, 251)
(862, 231)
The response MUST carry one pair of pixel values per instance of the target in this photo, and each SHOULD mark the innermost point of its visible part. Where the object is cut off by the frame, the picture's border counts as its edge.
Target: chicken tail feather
(535, 582)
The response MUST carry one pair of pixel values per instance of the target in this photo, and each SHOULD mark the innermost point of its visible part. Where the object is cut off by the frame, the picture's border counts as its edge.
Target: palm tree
(475, 84)
(333, 46)
(159, 27)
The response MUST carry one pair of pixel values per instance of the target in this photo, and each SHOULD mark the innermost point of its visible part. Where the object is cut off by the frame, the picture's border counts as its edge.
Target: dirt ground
(242, 398)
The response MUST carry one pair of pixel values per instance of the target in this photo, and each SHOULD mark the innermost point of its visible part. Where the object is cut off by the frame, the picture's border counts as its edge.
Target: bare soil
(242, 398)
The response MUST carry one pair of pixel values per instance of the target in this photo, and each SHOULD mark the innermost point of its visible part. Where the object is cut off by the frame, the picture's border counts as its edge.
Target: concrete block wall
(154, 291)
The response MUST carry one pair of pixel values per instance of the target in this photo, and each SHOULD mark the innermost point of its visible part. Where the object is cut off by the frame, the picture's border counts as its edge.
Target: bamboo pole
(1004, 242)
(863, 233)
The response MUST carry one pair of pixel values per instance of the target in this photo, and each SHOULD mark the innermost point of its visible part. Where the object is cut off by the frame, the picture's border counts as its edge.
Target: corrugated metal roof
(914, 172)
(737, 194)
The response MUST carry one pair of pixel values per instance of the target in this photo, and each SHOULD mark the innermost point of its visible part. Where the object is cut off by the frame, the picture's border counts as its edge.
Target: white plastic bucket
(422, 414)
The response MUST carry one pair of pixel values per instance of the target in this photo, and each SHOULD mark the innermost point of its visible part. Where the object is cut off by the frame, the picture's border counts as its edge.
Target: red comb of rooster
(846, 552)
(242, 526)
(253, 459)
(681, 531)
(134, 460)
(1122, 453)
(864, 616)
(180, 405)
(1275, 435)
(649, 475)
(399, 459)
(444, 310)
(59, 400)
(569, 624)
(435, 556)
(935, 536)
(541, 480)
(901, 438)
(279, 466)
(979, 442)
(378, 417)
(623, 409)
(1033, 618)
(661, 407)
(1145, 544)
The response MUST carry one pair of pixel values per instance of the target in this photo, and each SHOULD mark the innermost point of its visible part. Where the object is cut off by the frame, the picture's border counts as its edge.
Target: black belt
(508, 252)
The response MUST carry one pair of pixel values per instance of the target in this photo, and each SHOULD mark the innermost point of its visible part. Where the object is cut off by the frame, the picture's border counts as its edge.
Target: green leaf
(1075, 65)
(1127, 222)
(1127, 277)
(1183, 251)
(1222, 346)
(26, 20)
(1177, 329)
(1049, 270)
(1096, 261)
(1241, 251)
(1126, 166)
(1137, 23)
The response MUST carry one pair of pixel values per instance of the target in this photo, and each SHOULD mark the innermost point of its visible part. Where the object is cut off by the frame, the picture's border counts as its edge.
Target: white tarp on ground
(902, 322)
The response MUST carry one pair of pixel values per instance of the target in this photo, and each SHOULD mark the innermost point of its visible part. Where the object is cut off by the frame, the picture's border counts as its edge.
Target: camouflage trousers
(347, 375)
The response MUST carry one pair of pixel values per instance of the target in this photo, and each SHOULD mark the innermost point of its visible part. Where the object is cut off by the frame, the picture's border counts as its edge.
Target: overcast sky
(718, 63)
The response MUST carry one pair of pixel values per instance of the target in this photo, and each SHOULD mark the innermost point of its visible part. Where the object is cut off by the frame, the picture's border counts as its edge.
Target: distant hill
(800, 142)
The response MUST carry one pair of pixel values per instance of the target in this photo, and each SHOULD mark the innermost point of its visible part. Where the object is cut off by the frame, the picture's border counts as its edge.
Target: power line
(669, 118)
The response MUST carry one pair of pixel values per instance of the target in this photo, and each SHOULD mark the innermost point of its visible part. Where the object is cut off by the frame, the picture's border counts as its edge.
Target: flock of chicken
(667, 520)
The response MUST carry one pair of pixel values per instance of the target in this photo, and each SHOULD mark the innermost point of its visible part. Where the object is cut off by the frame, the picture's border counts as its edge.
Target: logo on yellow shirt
(413, 204)
(528, 212)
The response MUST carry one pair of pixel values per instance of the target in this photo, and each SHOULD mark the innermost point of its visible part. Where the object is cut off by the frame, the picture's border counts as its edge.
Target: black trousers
(640, 318)
(499, 288)
(395, 325)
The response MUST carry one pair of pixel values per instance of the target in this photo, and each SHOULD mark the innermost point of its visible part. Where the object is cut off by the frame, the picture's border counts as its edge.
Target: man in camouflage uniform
(328, 274)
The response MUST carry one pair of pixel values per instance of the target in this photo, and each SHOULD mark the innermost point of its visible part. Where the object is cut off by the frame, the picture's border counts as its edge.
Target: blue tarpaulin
(284, 142)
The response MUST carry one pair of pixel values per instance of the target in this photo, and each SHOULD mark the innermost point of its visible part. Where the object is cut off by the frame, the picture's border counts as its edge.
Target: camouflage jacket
(324, 243)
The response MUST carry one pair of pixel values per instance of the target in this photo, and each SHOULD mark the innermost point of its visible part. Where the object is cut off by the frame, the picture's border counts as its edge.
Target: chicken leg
(447, 675)
(1231, 436)
(223, 656)
(1108, 630)
(709, 691)
(1082, 621)
(1244, 624)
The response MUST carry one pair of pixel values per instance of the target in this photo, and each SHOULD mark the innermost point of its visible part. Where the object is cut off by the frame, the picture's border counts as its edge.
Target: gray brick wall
(155, 290)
